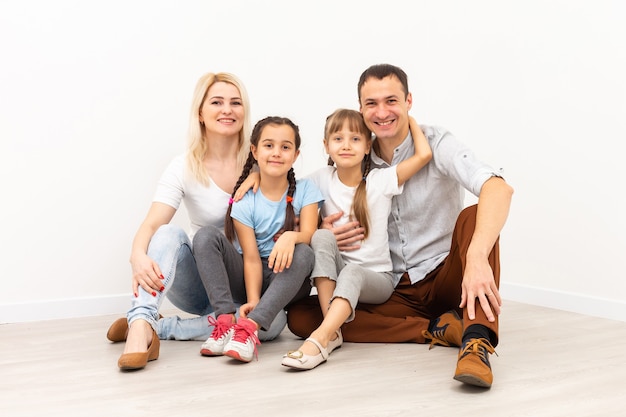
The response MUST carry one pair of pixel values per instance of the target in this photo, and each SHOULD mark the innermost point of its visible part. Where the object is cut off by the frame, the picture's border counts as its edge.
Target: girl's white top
(381, 186)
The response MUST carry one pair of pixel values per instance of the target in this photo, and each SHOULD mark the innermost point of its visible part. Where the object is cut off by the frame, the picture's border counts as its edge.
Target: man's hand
(349, 235)
(479, 283)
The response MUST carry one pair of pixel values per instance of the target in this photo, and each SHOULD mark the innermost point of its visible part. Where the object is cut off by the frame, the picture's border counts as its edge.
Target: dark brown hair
(290, 215)
(380, 71)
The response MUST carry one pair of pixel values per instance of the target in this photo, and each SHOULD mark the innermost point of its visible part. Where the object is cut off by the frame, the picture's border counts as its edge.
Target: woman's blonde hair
(354, 119)
(197, 145)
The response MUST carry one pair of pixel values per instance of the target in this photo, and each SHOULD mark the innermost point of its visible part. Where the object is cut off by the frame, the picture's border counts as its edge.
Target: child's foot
(310, 348)
(223, 329)
(312, 353)
(242, 344)
(297, 359)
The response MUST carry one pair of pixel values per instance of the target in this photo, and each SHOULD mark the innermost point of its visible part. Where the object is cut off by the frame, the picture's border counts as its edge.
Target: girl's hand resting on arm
(282, 254)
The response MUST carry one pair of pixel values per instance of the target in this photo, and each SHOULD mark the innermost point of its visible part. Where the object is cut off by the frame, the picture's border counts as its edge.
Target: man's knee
(468, 213)
(304, 316)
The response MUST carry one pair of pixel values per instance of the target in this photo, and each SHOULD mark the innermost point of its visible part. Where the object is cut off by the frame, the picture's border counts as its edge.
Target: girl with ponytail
(275, 270)
(345, 277)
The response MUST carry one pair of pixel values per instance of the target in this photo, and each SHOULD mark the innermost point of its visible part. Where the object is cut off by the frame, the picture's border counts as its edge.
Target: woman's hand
(147, 274)
(253, 181)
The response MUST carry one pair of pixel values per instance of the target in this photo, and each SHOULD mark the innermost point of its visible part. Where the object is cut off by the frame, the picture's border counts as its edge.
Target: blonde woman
(162, 257)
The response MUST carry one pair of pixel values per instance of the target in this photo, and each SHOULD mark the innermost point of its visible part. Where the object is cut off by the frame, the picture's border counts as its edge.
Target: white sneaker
(242, 344)
(222, 332)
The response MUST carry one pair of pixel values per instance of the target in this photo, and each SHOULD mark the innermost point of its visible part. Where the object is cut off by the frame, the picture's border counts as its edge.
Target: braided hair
(354, 119)
(290, 215)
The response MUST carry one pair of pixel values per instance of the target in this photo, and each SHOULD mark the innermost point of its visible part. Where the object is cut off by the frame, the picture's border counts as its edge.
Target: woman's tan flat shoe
(138, 360)
(118, 330)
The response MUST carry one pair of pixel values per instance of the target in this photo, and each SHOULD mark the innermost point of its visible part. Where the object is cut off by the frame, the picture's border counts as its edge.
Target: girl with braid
(343, 278)
(275, 270)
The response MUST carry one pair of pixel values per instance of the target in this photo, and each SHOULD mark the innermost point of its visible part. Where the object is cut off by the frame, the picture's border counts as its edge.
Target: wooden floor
(550, 363)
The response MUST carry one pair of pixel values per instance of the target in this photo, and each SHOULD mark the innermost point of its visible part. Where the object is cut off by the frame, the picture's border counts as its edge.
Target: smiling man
(446, 256)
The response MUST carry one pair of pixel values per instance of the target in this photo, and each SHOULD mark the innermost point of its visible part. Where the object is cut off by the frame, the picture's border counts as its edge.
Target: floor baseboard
(67, 308)
(118, 304)
(567, 301)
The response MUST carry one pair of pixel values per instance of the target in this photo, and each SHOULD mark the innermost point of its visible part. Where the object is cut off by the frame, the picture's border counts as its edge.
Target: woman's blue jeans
(170, 248)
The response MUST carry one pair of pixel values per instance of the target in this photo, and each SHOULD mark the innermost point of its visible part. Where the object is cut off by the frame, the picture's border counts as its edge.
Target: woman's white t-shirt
(206, 206)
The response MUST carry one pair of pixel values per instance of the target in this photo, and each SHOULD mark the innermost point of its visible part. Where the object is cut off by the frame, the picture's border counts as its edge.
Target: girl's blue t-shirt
(267, 217)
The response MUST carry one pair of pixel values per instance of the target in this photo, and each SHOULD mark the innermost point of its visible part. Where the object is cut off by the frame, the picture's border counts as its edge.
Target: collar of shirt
(402, 152)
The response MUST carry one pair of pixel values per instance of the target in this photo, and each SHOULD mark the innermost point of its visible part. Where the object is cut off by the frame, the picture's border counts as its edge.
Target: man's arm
(494, 202)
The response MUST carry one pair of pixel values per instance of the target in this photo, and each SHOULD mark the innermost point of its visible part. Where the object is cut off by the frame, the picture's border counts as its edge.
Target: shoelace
(436, 338)
(479, 347)
(219, 328)
(243, 333)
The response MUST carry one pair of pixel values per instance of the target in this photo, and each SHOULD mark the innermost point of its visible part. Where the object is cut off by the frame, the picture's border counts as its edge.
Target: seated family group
(381, 233)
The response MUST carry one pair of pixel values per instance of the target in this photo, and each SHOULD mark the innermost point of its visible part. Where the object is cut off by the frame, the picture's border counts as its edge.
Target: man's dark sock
(476, 331)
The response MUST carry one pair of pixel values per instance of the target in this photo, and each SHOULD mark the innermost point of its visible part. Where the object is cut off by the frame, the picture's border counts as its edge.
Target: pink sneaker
(222, 332)
(242, 344)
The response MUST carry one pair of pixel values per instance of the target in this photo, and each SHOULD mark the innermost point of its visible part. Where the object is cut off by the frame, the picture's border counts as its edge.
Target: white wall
(94, 100)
